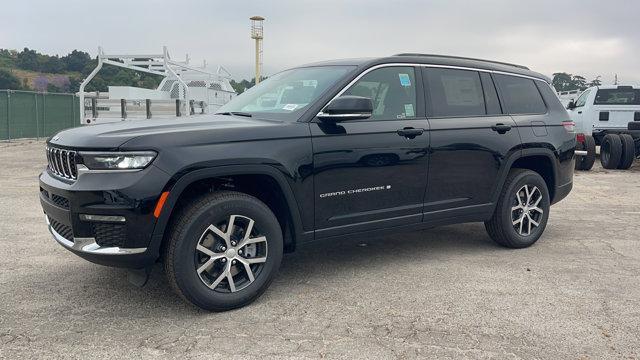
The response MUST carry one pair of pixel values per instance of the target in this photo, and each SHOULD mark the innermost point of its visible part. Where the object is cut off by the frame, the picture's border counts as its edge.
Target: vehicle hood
(155, 132)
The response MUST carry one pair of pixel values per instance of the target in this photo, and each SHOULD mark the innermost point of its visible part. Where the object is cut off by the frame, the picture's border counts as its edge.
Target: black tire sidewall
(590, 147)
(184, 260)
(611, 151)
(525, 178)
(628, 151)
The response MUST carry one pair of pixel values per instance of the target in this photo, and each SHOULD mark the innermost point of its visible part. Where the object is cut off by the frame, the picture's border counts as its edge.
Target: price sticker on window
(405, 80)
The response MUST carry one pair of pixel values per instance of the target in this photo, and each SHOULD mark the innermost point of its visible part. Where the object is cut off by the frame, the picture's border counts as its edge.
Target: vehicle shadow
(316, 262)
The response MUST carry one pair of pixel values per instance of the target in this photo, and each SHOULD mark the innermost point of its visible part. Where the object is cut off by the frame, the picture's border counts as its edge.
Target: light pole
(257, 35)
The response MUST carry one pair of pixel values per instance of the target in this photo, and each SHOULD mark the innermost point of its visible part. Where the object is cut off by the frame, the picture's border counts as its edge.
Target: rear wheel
(611, 151)
(586, 162)
(522, 211)
(628, 151)
(224, 250)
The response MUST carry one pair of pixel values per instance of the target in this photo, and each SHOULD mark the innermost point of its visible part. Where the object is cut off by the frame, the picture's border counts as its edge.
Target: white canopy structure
(186, 85)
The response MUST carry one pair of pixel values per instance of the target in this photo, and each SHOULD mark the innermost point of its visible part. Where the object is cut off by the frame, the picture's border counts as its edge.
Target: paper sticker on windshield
(405, 80)
(290, 107)
(408, 110)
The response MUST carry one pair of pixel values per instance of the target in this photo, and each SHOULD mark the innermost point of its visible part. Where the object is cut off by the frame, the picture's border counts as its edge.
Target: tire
(628, 151)
(611, 151)
(586, 162)
(502, 227)
(199, 240)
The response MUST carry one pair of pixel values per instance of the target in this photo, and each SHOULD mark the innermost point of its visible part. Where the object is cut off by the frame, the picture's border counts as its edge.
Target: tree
(578, 82)
(74, 84)
(27, 59)
(8, 80)
(562, 81)
(76, 60)
(51, 64)
(595, 82)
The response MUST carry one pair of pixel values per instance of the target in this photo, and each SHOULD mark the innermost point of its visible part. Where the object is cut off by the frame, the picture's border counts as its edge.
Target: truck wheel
(223, 251)
(610, 151)
(628, 151)
(586, 162)
(522, 210)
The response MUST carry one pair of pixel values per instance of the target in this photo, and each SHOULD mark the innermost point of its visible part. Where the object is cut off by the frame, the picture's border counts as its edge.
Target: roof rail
(462, 58)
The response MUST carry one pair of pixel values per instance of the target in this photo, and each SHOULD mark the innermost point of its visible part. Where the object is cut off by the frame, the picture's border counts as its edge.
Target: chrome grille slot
(62, 163)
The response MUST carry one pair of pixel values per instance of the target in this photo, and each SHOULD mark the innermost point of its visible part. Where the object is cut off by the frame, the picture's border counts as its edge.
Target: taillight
(570, 126)
(580, 138)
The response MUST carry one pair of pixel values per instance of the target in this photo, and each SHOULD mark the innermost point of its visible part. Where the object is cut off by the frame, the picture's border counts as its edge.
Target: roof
(412, 58)
(621, 87)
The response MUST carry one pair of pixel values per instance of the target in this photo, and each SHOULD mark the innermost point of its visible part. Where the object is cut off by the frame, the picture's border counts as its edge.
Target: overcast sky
(584, 37)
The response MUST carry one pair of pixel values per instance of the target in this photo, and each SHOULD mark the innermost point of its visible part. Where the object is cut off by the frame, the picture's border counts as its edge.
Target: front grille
(109, 235)
(62, 162)
(64, 230)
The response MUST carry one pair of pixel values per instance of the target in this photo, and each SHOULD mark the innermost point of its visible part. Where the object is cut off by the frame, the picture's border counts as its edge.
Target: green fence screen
(26, 114)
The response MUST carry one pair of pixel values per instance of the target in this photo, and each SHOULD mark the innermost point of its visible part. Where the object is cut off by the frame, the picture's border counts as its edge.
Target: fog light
(102, 218)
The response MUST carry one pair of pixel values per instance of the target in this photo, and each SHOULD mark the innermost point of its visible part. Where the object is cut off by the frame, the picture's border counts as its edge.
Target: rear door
(372, 173)
(470, 140)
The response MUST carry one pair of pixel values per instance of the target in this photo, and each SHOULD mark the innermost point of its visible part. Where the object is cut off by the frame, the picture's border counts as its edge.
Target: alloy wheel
(526, 215)
(230, 255)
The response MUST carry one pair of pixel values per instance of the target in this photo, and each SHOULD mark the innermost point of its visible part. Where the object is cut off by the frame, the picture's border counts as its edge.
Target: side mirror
(571, 105)
(347, 107)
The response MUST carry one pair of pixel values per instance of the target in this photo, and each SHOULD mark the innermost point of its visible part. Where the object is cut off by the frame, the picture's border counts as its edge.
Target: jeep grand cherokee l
(315, 153)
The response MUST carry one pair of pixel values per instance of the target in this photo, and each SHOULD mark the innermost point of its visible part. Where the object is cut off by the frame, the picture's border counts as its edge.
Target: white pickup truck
(608, 116)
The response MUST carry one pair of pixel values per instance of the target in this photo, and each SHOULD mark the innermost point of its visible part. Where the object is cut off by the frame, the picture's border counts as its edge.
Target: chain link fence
(27, 114)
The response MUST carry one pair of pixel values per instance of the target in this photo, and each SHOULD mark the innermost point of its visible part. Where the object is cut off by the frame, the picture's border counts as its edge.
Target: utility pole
(257, 35)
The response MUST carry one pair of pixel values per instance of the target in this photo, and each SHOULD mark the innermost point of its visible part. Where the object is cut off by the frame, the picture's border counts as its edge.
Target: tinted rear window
(455, 92)
(617, 97)
(520, 95)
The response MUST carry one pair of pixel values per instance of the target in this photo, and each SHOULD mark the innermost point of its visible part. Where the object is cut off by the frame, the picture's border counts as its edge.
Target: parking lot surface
(447, 292)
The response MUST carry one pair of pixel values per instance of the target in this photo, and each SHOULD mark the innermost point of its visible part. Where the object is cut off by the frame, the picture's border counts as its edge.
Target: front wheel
(522, 211)
(223, 251)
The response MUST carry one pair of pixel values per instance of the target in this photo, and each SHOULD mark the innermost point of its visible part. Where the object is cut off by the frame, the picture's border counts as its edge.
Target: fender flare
(177, 188)
(524, 153)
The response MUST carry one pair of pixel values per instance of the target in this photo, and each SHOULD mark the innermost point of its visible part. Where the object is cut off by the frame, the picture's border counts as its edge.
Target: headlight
(117, 160)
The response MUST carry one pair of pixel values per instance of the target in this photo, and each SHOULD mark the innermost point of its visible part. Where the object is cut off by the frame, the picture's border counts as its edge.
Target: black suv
(313, 153)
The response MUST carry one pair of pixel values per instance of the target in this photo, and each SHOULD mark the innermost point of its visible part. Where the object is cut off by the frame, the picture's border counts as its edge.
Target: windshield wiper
(235, 113)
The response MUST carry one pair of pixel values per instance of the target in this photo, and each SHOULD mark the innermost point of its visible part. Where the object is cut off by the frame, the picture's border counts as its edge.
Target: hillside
(31, 70)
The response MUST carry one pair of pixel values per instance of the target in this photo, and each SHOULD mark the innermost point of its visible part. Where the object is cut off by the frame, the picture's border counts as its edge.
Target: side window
(520, 95)
(582, 99)
(392, 91)
(490, 94)
(455, 92)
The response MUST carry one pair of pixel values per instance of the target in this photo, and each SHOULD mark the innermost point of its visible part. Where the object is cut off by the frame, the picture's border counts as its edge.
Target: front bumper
(89, 245)
(130, 197)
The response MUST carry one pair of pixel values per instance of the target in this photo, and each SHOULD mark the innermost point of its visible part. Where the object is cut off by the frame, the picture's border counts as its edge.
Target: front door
(372, 173)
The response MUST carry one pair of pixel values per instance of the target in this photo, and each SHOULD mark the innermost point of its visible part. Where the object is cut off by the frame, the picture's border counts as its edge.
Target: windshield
(288, 92)
(618, 96)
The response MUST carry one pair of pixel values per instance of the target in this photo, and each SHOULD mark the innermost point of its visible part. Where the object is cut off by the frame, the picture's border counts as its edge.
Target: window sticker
(408, 110)
(290, 107)
(405, 80)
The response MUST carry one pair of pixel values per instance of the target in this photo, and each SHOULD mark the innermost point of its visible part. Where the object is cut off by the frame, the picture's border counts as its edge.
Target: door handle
(579, 112)
(501, 128)
(410, 132)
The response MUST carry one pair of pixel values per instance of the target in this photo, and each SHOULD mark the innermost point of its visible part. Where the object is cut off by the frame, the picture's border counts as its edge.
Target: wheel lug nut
(240, 252)
(233, 262)
(233, 243)
(224, 260)
(223, 248)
